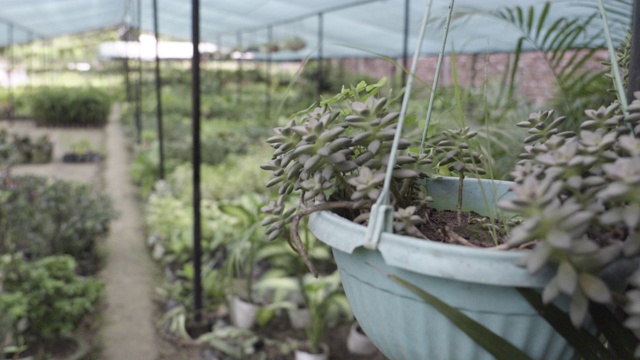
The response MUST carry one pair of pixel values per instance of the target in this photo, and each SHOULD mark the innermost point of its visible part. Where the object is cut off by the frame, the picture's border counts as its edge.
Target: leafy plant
(59, 106)
(458, 158)
(566, 45)
(339, 151)
(22, 149)
(42, 217)
(580, 207)
(54, 297)
(247, 237)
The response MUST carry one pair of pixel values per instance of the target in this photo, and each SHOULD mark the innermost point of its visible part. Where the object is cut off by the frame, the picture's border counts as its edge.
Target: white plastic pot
(304, 355)
(243, 314)
(358, 343)
(299, 318)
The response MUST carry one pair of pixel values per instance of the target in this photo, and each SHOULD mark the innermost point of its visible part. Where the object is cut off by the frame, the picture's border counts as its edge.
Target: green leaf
(237, 212)
(620, 339)
(492, 343)
(587, 345)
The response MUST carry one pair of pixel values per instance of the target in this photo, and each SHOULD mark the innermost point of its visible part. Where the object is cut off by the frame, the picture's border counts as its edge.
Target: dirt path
(128, 331)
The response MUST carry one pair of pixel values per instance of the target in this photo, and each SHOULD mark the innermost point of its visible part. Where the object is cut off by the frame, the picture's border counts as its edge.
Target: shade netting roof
(350, 28)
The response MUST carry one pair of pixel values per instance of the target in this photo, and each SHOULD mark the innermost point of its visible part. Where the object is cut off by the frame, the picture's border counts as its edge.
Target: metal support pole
(320, 53)
(268, 74)
(30, 73)
(158, 92)
(239, 74)
(195, 94)
(44, 61)
(10, 72)
(219, 60)
(139, 86)
(634, 63)
(405, 43)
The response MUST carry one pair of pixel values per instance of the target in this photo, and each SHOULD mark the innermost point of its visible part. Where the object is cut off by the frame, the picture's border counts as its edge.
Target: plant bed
(23, 149)
(45, 303)
(76, 107)
(52, 217)
(63, 348)
(82, 158)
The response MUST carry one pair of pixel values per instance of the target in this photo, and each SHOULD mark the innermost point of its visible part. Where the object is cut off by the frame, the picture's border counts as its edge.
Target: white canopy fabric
(351, 28)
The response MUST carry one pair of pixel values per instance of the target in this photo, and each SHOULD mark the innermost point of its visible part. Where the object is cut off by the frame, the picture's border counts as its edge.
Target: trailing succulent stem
(578, 196)
(334, 157)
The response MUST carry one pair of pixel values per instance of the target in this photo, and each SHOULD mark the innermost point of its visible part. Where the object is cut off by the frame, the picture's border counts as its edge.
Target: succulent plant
(458, 158)
(337, 153)
(579, 201)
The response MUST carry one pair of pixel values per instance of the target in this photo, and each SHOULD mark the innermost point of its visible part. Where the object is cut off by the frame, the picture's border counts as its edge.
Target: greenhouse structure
(319, 179)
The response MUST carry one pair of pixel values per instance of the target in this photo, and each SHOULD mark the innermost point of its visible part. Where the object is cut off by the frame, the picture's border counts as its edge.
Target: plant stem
(296, 243)
(460, 186)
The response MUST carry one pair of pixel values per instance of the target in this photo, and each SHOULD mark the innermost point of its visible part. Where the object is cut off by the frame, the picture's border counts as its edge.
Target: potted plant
(326, 303)
(574, 200)
(82, 151)
(241, 258)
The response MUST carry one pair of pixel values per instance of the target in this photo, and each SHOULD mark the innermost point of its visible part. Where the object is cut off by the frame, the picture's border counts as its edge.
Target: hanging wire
(425, 131)
(381, 211)
(614, 61)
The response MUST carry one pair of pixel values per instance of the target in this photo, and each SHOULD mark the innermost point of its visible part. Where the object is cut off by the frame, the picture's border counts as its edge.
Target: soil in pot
(442, 226)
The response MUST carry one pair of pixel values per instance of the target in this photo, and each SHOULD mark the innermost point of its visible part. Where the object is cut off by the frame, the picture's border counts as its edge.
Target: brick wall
(535, 80)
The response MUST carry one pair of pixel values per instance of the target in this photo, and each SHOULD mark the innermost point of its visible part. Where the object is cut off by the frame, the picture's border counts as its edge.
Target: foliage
(579, 202)
(42, 217)
(22, 149)
(458, 158)
(326, 301)
(170, 223)
(179, 290)
(236, 175)
(235, 343)
(323, 297)
(336, 152)
(247, 238)
(60, 106)
(47, 293)
(567, 45)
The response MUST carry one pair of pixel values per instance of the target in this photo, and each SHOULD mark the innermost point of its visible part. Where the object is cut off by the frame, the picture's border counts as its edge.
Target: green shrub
(47, 293)
(22, 149)
(60, 106)
(42, 217)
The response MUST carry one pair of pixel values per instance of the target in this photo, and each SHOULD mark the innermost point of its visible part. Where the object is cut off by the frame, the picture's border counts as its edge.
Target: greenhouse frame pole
(405, 44)
(219, 61)
(139, 87)
(239, 89)
(633, 84)
(268, 75)
(320, 53)
(195, 94)
(32, 41)
(158, 93)
(10, 72)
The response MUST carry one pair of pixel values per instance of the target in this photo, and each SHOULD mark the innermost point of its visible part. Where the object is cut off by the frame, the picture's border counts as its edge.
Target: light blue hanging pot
(482, 283)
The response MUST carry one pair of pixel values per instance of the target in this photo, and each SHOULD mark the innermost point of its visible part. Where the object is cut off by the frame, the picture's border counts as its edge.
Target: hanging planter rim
(451, 261)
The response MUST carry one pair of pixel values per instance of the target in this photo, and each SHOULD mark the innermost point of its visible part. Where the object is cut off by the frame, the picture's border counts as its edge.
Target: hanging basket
(480, 282)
